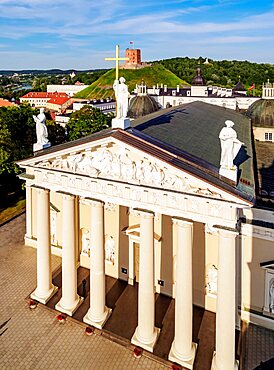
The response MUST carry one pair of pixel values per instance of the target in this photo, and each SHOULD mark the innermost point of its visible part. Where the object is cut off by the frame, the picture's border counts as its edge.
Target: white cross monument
(121, 94)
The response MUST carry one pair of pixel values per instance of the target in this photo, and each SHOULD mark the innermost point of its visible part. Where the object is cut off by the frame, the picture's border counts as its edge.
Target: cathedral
(147, 205)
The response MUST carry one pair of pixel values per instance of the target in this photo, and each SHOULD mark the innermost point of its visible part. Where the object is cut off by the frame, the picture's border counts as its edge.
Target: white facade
(239, 102)
(264, 133)
(104, 106)
(70, 90)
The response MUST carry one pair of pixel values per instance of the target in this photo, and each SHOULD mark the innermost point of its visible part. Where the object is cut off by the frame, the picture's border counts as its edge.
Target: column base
(147, 346)
(215, 367)
(37, 146)
(188, 363)
(130, 281)
(69, 311)
(98, 324)
(122, 123)
(46, 298)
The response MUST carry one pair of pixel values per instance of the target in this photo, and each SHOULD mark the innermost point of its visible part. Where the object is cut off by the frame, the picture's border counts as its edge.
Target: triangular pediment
(113, 159)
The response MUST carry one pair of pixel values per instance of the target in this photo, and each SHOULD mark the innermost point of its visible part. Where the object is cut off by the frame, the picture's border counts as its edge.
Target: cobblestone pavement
(33, 339)
(259, 346)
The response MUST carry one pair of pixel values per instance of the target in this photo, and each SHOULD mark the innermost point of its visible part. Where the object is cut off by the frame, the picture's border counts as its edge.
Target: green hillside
(102, 88)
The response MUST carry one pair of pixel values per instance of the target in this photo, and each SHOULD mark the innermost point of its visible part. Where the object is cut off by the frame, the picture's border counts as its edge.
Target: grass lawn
(12, 211)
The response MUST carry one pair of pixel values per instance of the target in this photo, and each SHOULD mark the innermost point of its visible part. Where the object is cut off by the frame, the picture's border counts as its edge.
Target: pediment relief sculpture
(120, 164)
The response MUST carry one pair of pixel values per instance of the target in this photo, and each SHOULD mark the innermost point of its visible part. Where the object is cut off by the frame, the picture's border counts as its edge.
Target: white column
(70, 300)
(130, 261)
(183, 349)
(45, 289)
(28, 212)
(224, 357)
(146, 334)
(98, 313)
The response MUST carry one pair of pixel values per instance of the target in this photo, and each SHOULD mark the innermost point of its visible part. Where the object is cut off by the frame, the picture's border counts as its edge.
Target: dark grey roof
(191, 132)
(239, 87)
(194, 128)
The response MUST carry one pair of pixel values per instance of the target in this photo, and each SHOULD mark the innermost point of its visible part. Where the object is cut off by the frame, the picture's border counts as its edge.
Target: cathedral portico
(116, 196)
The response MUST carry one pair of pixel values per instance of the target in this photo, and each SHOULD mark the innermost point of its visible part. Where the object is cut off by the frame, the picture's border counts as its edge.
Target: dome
(198, 80)
(238, 87)
(142, 105)
(261, 113)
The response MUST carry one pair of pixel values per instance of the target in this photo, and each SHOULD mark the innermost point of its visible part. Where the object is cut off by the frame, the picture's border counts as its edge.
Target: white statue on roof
(41, 131)
(230, 145)
(121, 95)
(41, 128)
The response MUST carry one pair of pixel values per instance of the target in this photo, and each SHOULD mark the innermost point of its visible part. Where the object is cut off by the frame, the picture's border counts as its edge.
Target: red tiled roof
(6, 103)
(58, 100)
(44, 95)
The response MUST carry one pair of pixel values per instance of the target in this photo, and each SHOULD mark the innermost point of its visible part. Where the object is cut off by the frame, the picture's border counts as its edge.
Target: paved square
(33, 339)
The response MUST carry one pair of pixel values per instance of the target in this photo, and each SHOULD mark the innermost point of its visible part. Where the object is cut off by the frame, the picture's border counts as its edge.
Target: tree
(86, 121)
(17, 134)
(56, 133)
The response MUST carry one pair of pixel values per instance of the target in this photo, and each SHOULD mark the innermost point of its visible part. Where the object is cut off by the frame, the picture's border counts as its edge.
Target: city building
(6, 103)
(104, 105)
(261, 114)
(59, 103)
(236, 98)
(40, 99)
(148, 205)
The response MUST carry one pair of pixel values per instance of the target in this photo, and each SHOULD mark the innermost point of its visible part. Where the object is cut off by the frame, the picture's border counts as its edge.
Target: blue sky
(79, 34)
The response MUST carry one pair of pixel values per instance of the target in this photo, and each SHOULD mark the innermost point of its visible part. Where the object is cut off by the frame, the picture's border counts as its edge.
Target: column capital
(40, 189)
(226, 232)
(182, 222)
(67, 196)
(144, 213)
(92, 202)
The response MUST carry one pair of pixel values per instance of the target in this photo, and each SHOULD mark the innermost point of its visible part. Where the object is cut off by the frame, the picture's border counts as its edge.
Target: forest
(221, 73)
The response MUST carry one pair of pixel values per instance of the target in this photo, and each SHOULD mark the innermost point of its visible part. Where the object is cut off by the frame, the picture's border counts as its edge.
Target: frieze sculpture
(119, 165)
(85, 241)
(110, 250)
(271, 293)
(212, 280)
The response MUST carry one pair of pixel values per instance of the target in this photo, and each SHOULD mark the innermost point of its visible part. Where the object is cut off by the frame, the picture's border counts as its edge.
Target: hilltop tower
(134, 56)
(134, 60)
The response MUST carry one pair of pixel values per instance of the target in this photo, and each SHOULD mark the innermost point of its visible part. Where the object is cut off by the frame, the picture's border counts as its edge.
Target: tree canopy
(86, 121)
(222, 73)
(17, 134)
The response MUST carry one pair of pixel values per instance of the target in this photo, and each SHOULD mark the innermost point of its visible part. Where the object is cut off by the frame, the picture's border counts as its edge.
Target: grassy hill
(102, 88)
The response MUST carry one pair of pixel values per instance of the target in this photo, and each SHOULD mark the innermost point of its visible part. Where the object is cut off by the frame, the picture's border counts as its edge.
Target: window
(268, 136)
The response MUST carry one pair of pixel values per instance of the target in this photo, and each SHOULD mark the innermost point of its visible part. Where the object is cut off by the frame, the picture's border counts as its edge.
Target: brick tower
(134, 56)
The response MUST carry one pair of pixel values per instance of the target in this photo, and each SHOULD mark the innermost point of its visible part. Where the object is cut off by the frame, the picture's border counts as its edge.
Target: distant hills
(156, 74)
(54, 71)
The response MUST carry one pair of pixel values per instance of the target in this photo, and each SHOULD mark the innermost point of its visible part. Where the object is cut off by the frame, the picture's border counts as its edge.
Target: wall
(68, 89)
(259, 133)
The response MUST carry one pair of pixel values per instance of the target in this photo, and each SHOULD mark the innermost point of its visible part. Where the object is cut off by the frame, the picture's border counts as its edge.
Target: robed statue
(121, 95)
(41, 128)
(230, 145)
